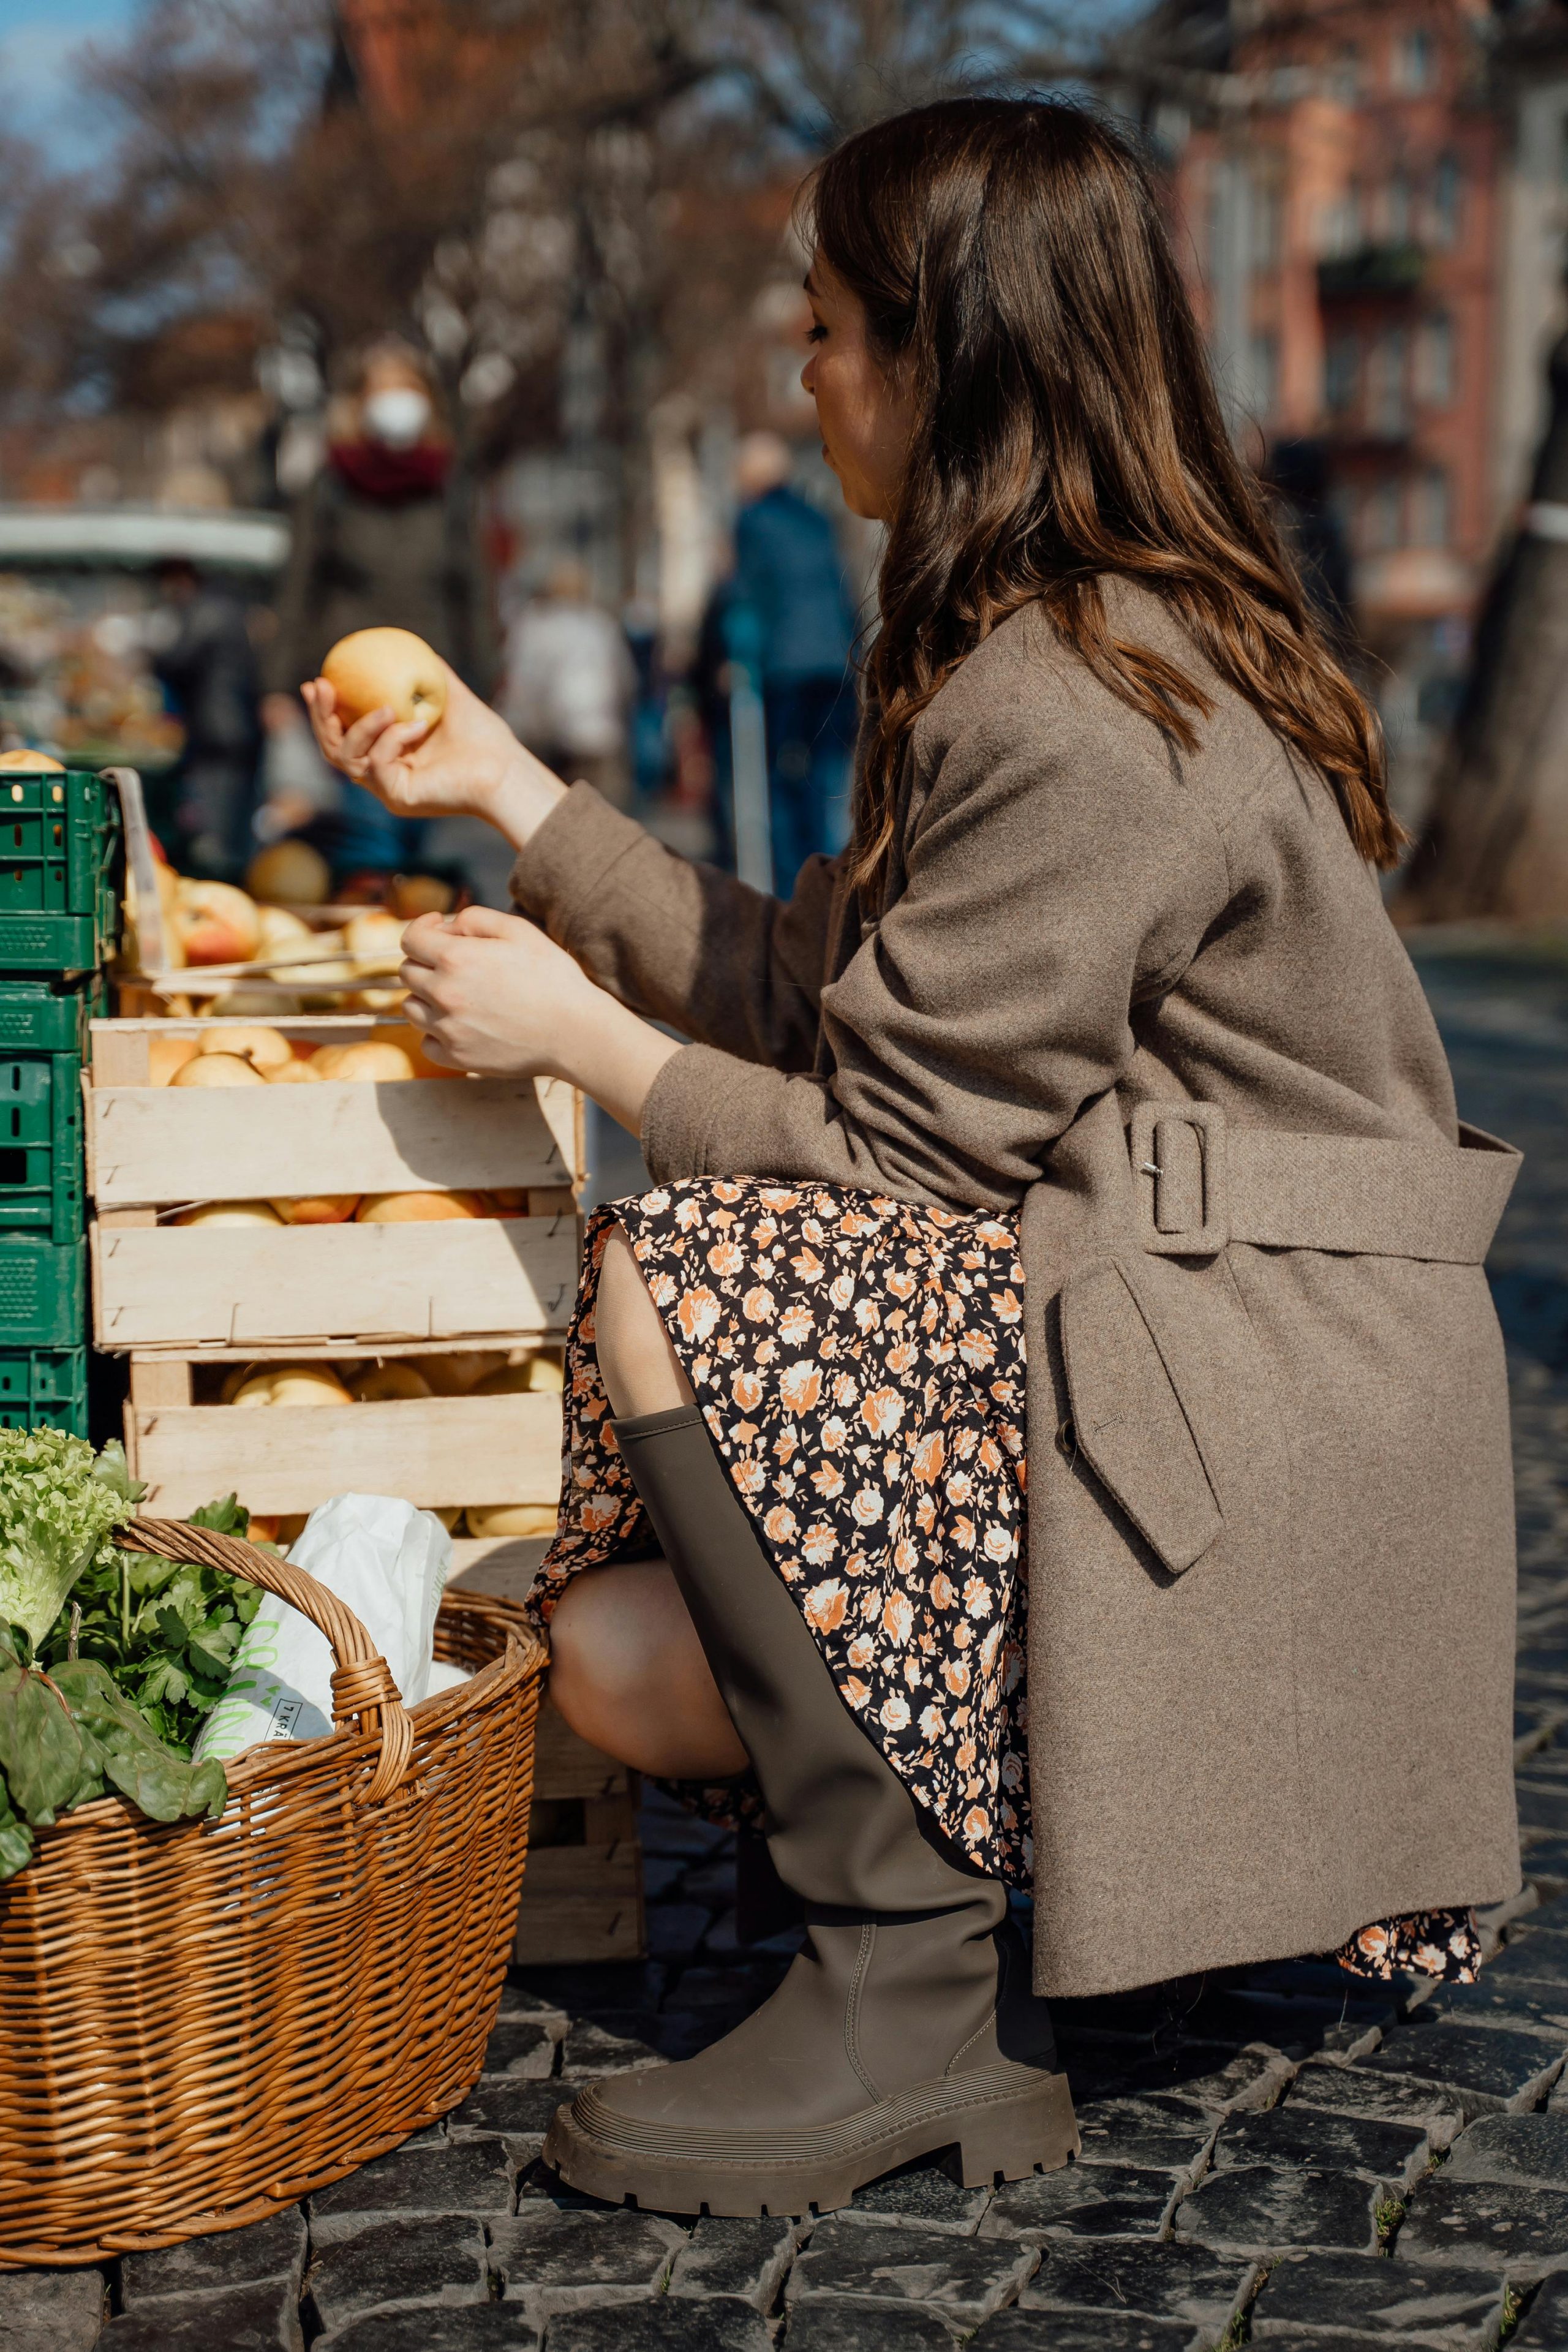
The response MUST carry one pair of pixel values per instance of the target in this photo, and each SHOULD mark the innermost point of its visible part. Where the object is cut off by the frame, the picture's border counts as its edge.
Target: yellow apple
(390, 667)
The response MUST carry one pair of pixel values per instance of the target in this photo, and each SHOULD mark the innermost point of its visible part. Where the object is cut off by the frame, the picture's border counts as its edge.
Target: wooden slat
(580, 1903)
(186, 1286)
(161, 1381)
(434, 1451)
(506, 1566)
(161, 1144)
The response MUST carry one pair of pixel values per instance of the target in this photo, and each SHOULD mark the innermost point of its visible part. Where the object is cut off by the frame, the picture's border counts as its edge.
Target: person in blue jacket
(789, 572)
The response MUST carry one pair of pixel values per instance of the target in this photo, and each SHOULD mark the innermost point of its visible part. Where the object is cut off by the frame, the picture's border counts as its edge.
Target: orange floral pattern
(860, 1365)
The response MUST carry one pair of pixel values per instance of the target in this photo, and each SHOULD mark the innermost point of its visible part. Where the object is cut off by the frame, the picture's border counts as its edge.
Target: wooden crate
(438, 1451)
(189, 1290)
(583, 1894)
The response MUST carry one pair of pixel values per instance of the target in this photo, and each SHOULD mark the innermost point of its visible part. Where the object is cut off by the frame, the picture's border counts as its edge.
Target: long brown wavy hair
(1017, 277)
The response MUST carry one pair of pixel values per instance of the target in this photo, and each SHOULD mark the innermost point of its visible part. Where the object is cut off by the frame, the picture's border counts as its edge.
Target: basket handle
(361, 1679)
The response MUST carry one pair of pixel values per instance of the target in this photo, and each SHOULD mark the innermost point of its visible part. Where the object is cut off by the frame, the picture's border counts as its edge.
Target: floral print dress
(860, 1365)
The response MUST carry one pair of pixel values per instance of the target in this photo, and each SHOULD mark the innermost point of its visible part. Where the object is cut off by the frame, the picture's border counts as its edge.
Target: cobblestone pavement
(1285, 2156)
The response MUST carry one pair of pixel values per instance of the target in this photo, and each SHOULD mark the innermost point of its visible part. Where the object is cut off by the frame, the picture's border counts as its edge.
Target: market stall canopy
(226, 538)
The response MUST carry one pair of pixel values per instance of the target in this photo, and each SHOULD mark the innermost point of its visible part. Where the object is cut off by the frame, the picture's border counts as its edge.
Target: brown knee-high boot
(907, 2023)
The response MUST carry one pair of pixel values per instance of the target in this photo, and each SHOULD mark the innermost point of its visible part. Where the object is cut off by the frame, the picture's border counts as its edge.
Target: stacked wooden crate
(181, 1300)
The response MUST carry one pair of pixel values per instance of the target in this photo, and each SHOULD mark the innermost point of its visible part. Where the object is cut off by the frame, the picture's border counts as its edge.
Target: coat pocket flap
(1128, 1419)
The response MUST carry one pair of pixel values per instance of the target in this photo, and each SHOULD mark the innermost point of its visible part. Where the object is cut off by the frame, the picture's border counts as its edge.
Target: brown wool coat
(1270, 1510)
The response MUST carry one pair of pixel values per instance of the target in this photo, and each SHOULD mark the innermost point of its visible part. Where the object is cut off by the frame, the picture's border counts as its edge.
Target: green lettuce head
(57, 1511)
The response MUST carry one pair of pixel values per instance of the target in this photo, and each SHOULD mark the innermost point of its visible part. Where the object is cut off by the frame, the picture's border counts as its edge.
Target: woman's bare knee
(640, 1370)
(628, 1675)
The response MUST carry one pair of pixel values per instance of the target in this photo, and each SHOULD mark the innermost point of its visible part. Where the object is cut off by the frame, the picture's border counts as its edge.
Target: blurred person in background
(384, 538)
(199, 646)
(569, 684)
(789, 572)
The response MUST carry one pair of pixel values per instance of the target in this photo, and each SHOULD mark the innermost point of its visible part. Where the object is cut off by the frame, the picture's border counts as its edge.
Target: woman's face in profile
(863, 417)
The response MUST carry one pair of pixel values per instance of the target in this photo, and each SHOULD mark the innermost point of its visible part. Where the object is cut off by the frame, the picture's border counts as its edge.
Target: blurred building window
(1396, 208)
(1447, 200)
(1344, 75)
(1264, 369)
(1415, 63)
(1268, 221)
(1387, 382)
(1435, 355)
(1342, 368)
(1381, 519)
(1432, 508)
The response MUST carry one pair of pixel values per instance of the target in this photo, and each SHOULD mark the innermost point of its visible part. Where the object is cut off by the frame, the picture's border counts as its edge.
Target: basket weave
(201, 2022)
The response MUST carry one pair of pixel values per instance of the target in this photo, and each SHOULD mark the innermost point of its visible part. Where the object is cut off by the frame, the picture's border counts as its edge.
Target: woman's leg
(907, 2021)
(628, 1671)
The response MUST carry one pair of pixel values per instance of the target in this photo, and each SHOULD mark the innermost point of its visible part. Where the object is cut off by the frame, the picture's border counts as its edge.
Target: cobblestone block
(1163, 2135)
(553, 2261)
(1508, 1998)
(1544, 2327)
(1351, 2090)
(1291, 2138)
(590, 2051)
(924, 2195)
(1496, 2224)
(1530, 2150)
(1487, 2066)
(735, 2257)
(273, 2249)
(519, 2113)
(524, 2046)
(50, 2311)
(1090, 2201)
(1540, 1953)
(468, 2327)
(398, 2262)
(1119, 2067)
(1168, 2281)
(1256, 2211)
(722, 2326)
(962, 2280)
(472, 2175)
(1543, 1804)
(1101, 2331)
(261, 2317)
(824, 2326)
(1457, 2308)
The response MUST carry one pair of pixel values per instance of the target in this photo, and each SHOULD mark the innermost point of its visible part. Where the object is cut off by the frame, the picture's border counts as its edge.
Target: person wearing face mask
(383, 537)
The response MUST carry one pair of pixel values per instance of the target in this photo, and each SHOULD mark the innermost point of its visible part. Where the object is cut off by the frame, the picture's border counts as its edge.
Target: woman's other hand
(469, 764)
(493, 994)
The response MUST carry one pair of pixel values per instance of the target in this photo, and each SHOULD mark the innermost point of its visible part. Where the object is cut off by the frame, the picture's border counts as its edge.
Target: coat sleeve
(678, 941)
(1058, 872)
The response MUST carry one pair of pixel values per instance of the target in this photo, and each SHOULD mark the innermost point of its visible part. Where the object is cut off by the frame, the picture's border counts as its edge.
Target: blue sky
(36, 47)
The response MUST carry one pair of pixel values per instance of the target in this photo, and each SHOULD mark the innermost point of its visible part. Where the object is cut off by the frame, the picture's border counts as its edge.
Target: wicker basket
(200, 2021)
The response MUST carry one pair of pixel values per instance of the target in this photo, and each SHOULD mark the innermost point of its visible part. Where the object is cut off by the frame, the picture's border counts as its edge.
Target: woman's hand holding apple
(468, 764)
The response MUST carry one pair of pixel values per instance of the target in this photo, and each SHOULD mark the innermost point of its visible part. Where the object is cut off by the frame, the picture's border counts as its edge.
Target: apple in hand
(390, 669)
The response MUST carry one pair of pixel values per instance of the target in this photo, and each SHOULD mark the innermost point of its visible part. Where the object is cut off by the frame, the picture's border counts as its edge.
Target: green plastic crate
(42, 1016)
(41, 1173)
(60, 847)
(44, 1387)
(42, 1292)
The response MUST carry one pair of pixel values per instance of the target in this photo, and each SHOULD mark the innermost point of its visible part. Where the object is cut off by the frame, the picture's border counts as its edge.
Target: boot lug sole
(1008, 2139)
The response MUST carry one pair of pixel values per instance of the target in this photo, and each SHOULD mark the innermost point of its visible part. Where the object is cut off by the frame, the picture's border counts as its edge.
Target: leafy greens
(110, 1660)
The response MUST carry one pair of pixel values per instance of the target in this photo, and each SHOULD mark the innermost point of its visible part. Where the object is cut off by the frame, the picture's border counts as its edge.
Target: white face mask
(398, 415)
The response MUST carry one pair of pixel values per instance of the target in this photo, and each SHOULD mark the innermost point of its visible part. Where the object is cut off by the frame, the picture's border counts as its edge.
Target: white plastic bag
(388, 1562)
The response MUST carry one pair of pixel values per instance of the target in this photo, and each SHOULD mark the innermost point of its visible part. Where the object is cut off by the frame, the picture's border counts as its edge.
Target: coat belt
(1202, 1183)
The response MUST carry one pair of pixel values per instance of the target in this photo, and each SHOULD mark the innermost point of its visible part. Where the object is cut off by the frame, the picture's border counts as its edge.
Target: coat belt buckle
(1178, 1153)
